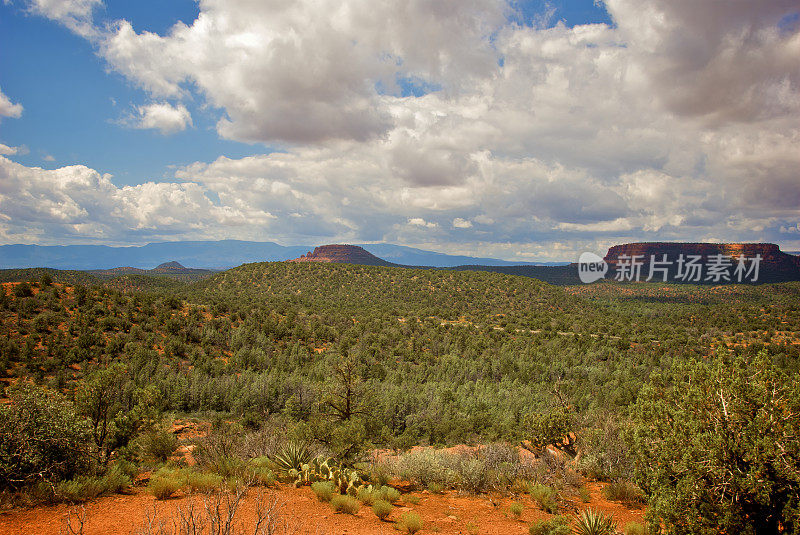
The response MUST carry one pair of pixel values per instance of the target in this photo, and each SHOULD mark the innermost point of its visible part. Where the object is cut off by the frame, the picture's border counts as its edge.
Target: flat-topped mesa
(343, 254)
(775, 265)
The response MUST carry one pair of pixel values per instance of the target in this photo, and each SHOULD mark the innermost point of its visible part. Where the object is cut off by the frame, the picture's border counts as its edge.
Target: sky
(519, 130)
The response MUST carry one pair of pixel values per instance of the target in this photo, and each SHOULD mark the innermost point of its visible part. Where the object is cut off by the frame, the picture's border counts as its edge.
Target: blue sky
(524, 130)
(75, 106)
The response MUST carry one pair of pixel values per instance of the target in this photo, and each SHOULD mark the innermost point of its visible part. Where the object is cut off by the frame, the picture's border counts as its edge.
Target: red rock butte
(343, 254)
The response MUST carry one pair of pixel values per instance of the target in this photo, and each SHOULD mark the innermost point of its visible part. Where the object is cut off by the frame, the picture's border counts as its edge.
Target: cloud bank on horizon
(447, 124)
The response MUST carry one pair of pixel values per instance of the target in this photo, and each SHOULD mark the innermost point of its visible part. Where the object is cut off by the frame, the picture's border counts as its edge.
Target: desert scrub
(85, 488)
(545, 496)
(389, 494)
(494, 466)
(228, 466)
(342, 503)
(165, 482)
(204, 481)
(591, 522)
(323, 490)
(409, 522)
(413, 500)
(261, 475)
(634, 528)
(429, 466)
(158, 444)
(382, 509)
(623, 491)
(379, 474)
(435, 488)
(365, 496)
(164, 487)
(515, 509)
(558, 525)
(584, 495)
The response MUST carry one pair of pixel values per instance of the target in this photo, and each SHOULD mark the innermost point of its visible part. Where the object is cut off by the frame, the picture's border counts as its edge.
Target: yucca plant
(292, 456)
(591, 522)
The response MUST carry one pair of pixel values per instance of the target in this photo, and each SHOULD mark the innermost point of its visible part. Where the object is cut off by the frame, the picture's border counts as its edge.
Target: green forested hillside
(440, 356)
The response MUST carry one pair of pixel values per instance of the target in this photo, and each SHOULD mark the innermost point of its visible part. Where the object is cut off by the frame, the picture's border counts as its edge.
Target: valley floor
(447, 513)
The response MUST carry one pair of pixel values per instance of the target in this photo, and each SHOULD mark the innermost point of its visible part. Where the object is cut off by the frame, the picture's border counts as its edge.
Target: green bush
(229, 467)
(623, 491)
(379, 475)
(635, 528)
(23, 289)
(516, 509)
(547, 428)
(558, 525)
(80, 489)
(85, 488)
(382, 509)
(719, 449)
(342, 503)
(494, 466)
(435, 488)
(158, 444)
(261, 475)
(592, 522)
(165, 483)
(409, 522)
(324, 490)
(390, 494)
(473, 474)
(365, 496)
(41, 438)
(545, 496)
(604, 453)
(116, 479)
(204, 481)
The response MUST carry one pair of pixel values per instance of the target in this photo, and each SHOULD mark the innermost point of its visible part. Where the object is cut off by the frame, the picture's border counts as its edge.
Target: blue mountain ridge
(211, 255)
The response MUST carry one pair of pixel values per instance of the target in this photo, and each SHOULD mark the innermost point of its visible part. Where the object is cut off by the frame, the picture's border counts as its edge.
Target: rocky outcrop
(343, 254)
(774, 265)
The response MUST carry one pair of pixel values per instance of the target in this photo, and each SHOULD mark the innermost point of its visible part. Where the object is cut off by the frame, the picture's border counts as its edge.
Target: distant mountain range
(211, 255)
(167, 268)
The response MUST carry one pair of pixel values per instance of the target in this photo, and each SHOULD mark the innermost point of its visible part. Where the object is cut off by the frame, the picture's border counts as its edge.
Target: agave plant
(591, 522)
(292, 456)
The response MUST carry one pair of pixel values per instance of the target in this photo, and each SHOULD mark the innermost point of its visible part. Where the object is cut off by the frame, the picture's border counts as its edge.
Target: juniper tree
(718, 449)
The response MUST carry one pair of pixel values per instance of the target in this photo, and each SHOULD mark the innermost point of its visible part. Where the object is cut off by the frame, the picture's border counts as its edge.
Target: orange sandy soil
(448, 513)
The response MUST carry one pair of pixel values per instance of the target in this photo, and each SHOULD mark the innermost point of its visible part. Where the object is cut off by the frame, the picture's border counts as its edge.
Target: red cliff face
(775, 264)
(344, 254)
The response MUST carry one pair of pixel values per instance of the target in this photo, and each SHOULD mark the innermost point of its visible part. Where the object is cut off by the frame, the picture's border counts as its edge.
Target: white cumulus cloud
(75, 202)
(8, 108)
(8, 151)
(162, 116)
(74, 14)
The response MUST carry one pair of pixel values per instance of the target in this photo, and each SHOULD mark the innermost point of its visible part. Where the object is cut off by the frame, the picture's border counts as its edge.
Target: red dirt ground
(448, 513)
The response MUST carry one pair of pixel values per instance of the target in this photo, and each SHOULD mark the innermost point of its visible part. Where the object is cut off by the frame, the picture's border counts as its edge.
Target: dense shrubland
(347, 358)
